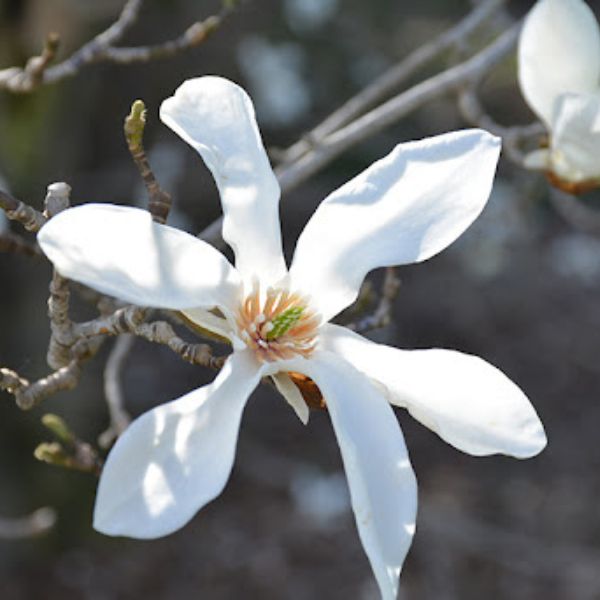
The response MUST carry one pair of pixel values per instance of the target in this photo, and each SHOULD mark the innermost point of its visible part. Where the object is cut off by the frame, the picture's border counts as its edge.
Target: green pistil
(285, 321)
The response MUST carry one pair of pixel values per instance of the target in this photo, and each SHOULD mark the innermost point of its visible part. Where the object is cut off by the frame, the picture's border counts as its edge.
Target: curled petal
(465, 400)
(120, 251)
(216, 117)
(175, 458)
(404, 208)
(383, 488)
(576, 137)
(208, 321)
(559, 52)
(289, 390)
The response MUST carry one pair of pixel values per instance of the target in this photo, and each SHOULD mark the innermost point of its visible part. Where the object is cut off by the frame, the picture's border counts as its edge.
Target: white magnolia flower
(405, 208)
(559, 73)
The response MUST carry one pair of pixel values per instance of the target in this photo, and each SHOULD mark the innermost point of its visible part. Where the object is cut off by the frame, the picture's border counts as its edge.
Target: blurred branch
(382, 315)
(119, 418)
(513, 138)
(384, 85)
(291, 174)
(193, 36)
(102, 48)
(37, 523)
(391, 111)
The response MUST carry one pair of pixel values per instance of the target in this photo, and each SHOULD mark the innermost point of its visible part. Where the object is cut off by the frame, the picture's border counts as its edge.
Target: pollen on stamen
(278, 326)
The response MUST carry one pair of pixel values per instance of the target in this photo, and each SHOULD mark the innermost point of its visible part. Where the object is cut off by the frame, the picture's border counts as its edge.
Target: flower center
(278, 325)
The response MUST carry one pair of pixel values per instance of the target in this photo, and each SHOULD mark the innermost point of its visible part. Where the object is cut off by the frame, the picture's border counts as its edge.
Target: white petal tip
(537, 442)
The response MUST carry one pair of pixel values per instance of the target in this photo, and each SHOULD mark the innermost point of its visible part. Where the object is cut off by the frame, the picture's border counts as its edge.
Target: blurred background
(521, 289)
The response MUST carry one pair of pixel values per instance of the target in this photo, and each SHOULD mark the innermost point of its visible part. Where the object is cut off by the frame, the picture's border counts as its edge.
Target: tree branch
(159, 204)
(391, 80)
(382, 315)
(18, 211)
(102, 48)
(37, 523)
(119, 418)
(292, 174)
(513, 138)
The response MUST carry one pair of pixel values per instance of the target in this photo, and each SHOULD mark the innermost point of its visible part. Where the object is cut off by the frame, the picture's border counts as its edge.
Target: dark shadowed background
(520, 288)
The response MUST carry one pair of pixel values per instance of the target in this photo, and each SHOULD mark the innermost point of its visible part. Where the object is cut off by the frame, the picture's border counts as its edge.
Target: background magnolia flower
(559, 74)
(404, 208)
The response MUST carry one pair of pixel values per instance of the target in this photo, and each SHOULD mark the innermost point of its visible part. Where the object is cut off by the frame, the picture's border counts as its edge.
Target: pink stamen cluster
(257, 319)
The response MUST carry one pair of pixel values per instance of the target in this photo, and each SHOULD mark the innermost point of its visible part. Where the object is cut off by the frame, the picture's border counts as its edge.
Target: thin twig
(31, 76)
(61, 339)
(391, 80)
(193, 36)
(33, 525)
(102, 48)
(513, 138)
(159, 203)
(382, 315)
(113, 392)
(388, 113)
(291, 175)
(130, 319)
(18, 211)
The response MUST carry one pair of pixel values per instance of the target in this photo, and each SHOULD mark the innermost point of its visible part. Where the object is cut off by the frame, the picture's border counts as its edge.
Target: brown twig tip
(32, 75)
(159, 203)
(36, 65)
(199, 31)
(382, 315)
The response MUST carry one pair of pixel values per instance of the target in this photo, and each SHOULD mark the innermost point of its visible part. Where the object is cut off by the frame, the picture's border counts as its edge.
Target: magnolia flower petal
(468, 402)
(289, 390)
(174, 459)
(212, 323)
(216, 117)
(559, 52)
(404, 208)
(383, 488)
(576, 137)
(538, 160)
(120, 251)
